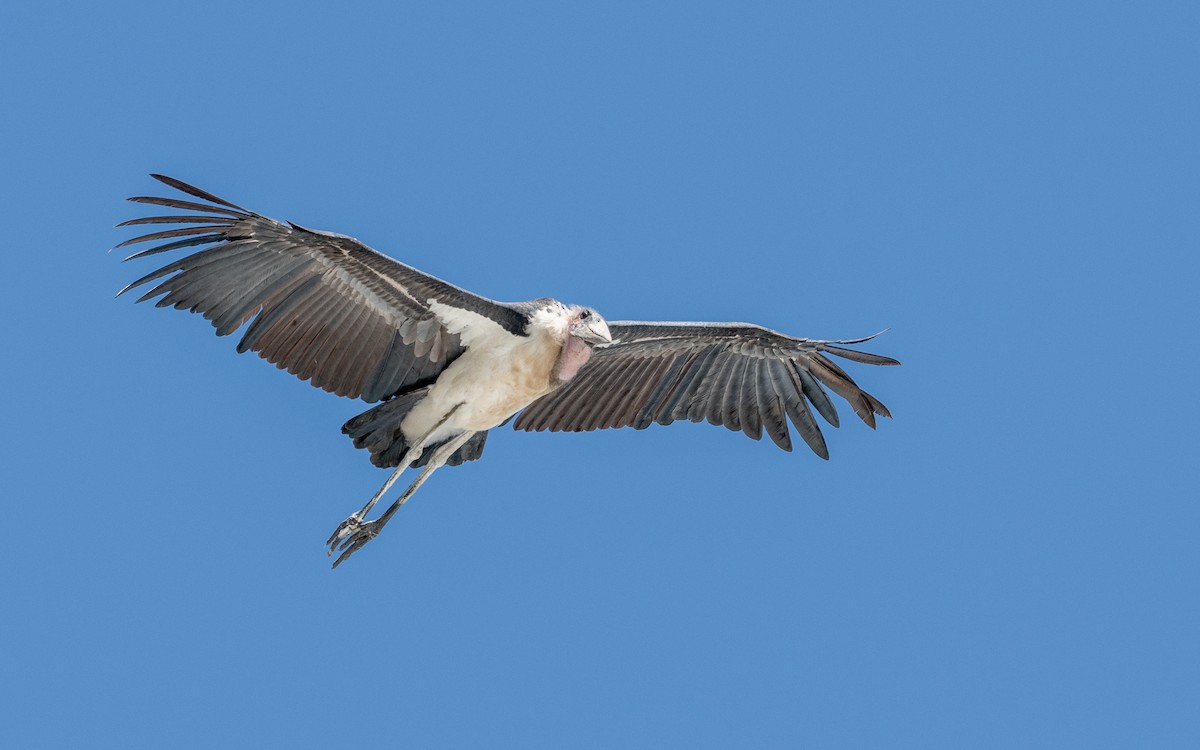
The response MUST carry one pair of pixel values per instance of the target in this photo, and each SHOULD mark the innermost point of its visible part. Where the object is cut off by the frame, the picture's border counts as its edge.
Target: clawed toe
(354, 532)
(355, 540)
(344, 529)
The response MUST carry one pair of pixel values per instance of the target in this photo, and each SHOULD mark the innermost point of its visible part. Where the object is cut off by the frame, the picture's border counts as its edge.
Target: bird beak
(592, 331)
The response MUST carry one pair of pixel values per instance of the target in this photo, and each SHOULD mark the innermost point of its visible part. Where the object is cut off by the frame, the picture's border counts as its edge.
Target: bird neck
(575, 354)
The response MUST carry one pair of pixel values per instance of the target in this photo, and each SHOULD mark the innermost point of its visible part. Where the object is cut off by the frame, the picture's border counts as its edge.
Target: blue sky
(1012, 561)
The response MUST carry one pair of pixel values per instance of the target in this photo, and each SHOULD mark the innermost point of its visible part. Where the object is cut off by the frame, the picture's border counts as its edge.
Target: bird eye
(585, 315)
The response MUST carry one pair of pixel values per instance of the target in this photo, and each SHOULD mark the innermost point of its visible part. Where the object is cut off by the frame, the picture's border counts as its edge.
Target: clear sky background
(1012, 561)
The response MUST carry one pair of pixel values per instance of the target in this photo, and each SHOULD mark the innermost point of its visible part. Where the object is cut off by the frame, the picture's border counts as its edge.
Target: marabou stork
(449, 365)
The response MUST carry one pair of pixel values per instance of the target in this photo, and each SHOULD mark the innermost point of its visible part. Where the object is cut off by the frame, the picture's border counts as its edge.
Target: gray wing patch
(742, 376)
(322, 306)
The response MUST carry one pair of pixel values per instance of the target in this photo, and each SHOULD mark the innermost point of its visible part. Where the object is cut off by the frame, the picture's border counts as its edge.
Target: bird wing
(743, 376)
(323, 306)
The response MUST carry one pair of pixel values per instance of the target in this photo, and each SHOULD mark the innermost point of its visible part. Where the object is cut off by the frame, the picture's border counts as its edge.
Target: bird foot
(353, 534)
(344, 529)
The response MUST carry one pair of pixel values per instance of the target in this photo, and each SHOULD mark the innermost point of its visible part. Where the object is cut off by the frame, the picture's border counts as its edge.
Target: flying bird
(447, 365)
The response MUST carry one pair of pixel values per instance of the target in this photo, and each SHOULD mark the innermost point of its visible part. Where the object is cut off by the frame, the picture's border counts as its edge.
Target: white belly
(492, 380)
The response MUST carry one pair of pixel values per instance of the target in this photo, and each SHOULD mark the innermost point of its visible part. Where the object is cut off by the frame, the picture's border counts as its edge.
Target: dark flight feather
(742, 376)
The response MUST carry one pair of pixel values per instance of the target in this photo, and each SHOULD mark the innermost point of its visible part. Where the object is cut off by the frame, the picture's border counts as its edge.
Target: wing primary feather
(817, 395)
(877, 405)
(831, 365)
(177, 220)
(164, 271)
(862, 340)
(747, 401)
(710, 389)
(841, 383)
(189, 242)
(196, 260)
(857, 356)
(263, 294)
(170, 268)
(188, 205)
(213, 288)
(182, 232)
(802, 418)
(731, 410)
(194, 191)
(770, 404)
(729, 413)
(262, 335)
(217, 287)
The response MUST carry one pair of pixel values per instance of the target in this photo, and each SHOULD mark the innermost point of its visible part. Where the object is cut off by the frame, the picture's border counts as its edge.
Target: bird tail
(378, 430)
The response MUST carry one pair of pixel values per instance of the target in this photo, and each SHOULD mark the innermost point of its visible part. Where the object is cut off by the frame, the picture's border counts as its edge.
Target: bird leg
(412, 455)
(348, 526)
(365, 532)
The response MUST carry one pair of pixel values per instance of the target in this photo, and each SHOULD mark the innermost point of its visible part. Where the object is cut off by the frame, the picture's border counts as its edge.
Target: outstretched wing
(743, 376)
(323, 306)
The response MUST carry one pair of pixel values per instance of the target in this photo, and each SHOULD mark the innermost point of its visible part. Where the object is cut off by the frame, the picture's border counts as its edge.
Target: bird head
(585, 324)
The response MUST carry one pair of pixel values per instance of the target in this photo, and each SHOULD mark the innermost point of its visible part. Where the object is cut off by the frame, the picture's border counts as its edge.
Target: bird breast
(495, 377)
